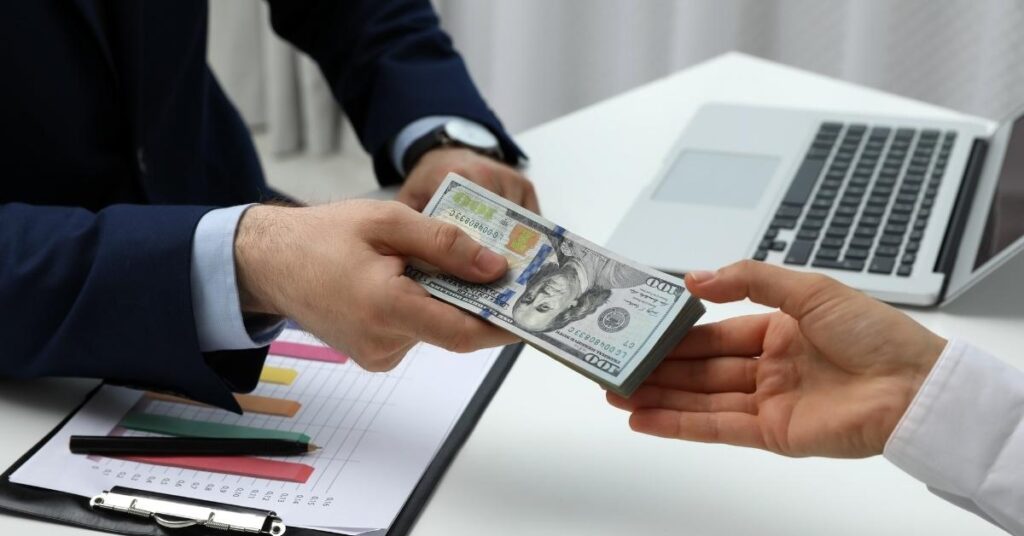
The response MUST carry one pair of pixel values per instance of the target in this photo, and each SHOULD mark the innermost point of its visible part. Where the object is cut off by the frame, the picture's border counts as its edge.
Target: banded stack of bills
(606, 317)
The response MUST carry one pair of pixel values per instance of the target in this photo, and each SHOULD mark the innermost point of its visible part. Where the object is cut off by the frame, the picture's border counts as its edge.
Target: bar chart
(377, 432)
(154, 415)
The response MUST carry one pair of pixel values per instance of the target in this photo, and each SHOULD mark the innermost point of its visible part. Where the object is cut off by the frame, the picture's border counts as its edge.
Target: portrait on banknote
(574, 285)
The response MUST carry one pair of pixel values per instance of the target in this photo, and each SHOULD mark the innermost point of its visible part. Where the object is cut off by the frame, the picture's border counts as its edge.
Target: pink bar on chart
(307, 351)
(233, 465)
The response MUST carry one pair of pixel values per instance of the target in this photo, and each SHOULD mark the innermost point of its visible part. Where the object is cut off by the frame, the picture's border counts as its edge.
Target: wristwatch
(453, 133)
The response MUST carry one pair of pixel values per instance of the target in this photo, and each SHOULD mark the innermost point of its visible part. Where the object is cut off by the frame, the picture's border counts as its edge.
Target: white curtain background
(535, 60)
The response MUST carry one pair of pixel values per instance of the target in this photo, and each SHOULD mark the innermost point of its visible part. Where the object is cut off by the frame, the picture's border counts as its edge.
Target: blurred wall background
(538, 59)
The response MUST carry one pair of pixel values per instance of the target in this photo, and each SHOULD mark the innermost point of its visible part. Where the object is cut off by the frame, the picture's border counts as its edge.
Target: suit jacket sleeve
(389, 63)
(108, 295)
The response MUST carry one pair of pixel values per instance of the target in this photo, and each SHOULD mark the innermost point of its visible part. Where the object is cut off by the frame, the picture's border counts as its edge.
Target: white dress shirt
(963, 435)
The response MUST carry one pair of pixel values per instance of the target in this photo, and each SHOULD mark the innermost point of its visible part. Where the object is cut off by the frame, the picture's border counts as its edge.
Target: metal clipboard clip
(173, 513)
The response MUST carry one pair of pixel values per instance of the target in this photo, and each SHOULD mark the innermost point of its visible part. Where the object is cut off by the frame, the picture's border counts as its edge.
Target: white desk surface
(550, 456)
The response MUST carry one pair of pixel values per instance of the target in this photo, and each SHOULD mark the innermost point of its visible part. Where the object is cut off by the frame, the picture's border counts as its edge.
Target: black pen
(186, 446)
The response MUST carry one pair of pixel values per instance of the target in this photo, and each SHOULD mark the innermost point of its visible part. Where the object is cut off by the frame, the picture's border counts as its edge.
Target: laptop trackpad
(717, 178)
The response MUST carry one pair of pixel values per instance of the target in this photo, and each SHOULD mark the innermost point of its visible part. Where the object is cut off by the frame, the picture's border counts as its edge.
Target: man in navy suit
(133, 243)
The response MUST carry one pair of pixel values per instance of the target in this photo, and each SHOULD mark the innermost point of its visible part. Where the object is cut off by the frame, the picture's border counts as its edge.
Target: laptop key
(887, 251)
(913, 246)
(816, 153)
(788, 212)
(783, 223)
(831, 242)
(866, 232)
(771, 233)
(799, 252)
(822, 203)
(827, 253)
(818, 213)
(803, 184)
(857, 253)
(777, 245)
(844, 221)
(891, 239)
(845, 264)
(850, 201)
(882, 265)
(878, 200)
(808, 234)
(760, 255)
(904, 270)
(906, 198)
(812, 223)
(837, 232)
(909, 258)
(863, 242)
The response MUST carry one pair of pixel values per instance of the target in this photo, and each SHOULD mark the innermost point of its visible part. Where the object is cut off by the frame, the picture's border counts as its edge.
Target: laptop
(911, 211)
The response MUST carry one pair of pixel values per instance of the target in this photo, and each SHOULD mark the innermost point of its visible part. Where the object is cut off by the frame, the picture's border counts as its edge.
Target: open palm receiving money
(606, 317)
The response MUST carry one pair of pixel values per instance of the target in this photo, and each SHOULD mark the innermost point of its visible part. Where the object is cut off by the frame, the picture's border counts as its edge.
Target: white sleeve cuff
(963, 433)
(412, 132)
(215, 304)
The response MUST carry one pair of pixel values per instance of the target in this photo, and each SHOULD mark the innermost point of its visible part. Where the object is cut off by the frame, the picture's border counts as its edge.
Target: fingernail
(700, 276)
(489, 262)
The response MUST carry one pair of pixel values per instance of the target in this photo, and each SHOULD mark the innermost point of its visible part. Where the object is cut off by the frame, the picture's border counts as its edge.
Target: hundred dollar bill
(608, 318)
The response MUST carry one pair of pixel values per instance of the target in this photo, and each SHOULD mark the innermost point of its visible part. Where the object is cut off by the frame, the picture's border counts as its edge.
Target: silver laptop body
(911, 211)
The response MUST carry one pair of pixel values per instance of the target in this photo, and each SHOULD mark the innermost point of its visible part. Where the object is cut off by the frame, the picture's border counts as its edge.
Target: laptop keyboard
(860, 199)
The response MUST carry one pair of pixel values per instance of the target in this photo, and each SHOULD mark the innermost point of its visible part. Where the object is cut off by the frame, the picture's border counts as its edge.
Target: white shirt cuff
(963, 433)
(215, 305)
(412, 132)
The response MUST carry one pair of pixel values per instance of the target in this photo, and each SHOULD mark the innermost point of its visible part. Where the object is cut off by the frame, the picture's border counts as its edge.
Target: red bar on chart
(233, 465)
(307, 351)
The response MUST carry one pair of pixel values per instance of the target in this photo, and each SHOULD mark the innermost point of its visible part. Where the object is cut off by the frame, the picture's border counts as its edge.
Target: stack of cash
(606, 317)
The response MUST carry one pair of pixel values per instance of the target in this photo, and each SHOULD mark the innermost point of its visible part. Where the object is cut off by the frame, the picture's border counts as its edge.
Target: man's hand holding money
(495, 176)
(337, 270)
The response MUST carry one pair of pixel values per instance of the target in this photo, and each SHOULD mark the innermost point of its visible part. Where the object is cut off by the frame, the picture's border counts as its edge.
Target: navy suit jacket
(115, 140)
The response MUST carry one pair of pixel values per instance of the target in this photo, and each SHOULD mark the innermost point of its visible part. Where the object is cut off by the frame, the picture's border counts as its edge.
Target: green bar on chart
(163, 424)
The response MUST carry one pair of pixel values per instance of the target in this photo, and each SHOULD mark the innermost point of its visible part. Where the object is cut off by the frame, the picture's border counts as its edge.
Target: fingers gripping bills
(608, 318)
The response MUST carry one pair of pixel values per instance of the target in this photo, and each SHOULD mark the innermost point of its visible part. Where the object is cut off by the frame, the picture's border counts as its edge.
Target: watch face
(471, 134)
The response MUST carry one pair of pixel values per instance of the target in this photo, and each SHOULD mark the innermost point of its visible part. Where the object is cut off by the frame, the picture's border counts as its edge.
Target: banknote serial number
(617, 350)
(470, 222)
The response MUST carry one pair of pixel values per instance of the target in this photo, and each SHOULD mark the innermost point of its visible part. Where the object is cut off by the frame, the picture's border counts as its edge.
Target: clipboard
(110, 516)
